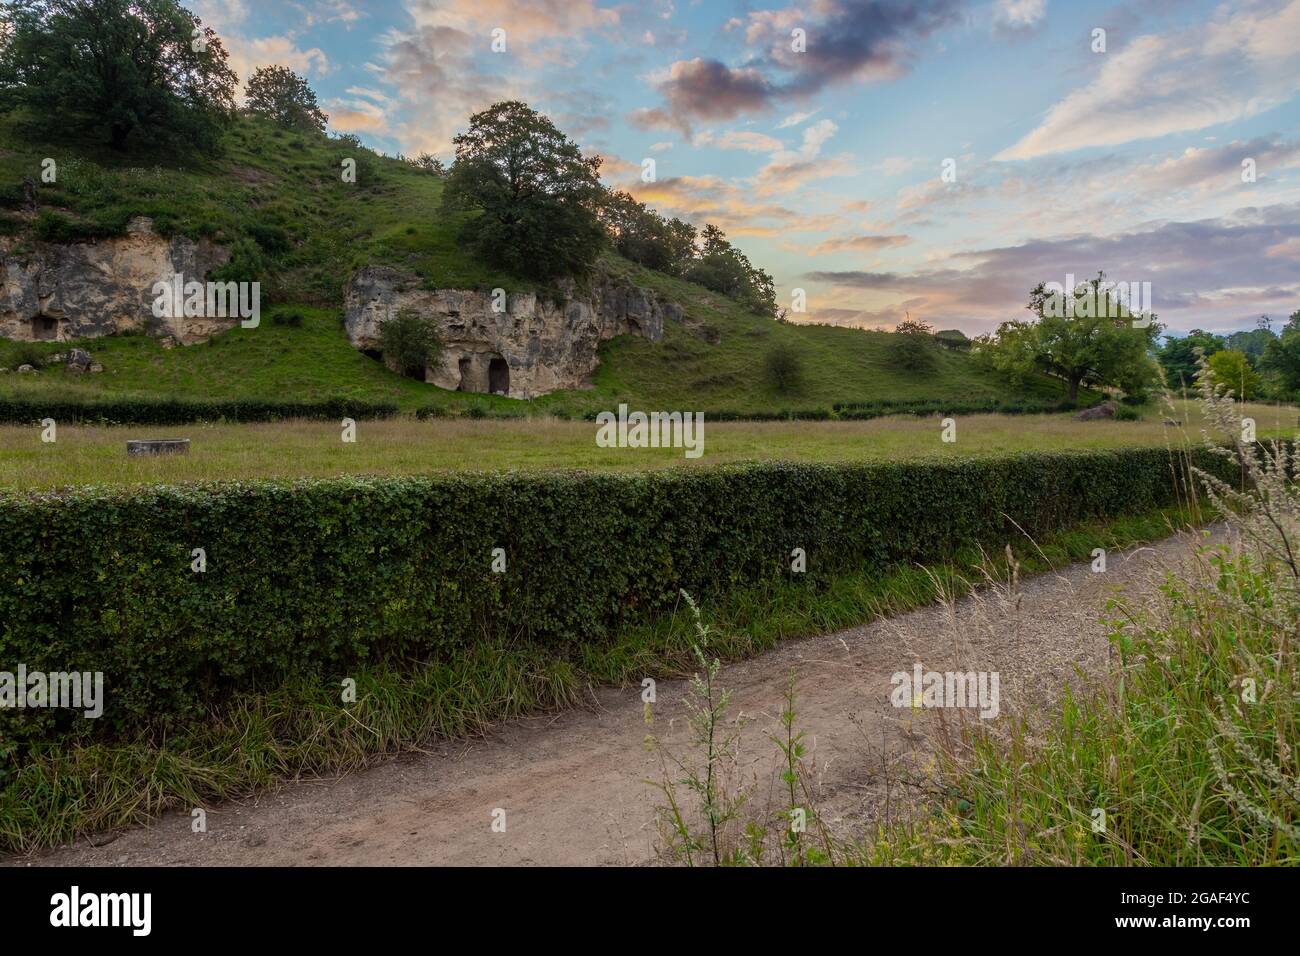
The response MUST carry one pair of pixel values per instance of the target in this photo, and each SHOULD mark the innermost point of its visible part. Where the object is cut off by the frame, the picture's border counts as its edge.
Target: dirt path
(572, 785)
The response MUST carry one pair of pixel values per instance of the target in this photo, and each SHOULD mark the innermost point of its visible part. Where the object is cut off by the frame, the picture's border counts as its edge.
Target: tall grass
(1185, 753)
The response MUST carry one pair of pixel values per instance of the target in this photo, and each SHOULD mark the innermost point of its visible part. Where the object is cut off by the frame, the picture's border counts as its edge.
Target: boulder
(24, 369)
(1104, 410)
(78, 361)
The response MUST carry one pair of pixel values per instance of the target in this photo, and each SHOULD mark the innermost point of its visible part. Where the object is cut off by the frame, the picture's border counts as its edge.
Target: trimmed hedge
(864, 410)
(318, 576)
(134, 411)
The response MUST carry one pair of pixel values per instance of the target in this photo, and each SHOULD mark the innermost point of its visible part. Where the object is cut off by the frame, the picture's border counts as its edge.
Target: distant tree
(913, 344)
(1096, 342)
(537, 194)
(430, 164)
(724, 268)
(1232, 369)
(1178, 356)
(647, 238)
(280, 94)
(784, 369)
(410, 342)
(146, 69)
(1251, 342)
(1282, 356)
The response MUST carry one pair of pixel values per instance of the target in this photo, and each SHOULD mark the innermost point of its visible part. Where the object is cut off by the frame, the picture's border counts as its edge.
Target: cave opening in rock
(498, 377)
(45, 328)
(464, 366)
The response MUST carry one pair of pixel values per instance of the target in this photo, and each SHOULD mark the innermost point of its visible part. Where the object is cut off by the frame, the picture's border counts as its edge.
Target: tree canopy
(1098, 342)
(280, 94)
(123, 69)
(537, 194)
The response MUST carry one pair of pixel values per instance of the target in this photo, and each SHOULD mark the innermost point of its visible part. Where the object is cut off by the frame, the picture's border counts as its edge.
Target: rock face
(531, 348)
(60, 292)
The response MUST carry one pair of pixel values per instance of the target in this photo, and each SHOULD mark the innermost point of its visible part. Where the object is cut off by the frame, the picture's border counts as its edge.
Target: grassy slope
(289, 181)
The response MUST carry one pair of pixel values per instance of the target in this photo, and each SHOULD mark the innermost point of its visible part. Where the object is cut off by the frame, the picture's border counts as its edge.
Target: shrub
(410, 343)
(784, 370)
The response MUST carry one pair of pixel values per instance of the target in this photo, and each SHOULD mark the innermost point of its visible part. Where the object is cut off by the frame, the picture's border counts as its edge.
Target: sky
(936, 159)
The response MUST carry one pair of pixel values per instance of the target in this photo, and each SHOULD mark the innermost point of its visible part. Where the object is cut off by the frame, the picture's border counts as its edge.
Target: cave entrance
(498, 377)
(464, 366)
(45, 328)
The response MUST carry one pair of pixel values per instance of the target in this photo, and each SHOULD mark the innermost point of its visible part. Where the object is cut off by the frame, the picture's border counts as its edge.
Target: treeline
(1254, 363)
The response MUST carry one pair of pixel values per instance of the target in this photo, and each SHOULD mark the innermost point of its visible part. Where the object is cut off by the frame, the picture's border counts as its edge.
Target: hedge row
(317, 576)
(864, 410)
(841, 411)
(132, 411)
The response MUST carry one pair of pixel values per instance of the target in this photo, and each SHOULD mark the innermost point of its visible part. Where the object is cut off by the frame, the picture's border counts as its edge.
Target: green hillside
(277, 199)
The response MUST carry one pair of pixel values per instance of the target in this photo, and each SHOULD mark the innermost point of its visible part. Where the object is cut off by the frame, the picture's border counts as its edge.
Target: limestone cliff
(103, 287)
(530, 348)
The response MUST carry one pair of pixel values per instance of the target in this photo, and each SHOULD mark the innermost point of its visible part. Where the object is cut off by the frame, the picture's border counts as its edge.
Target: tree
(430, 164)
(1251, 342)
(1282, 355)
(784, 369)
(1232, 369)
(647, 238)
(1094, 342)
(410, 342)
(537, 194)
(724, 268)
(913, 345)
(1178, 356)
(283, 96)
(117, 68)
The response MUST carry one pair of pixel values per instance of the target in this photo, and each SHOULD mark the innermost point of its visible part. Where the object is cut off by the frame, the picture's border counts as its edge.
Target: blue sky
(824, 164)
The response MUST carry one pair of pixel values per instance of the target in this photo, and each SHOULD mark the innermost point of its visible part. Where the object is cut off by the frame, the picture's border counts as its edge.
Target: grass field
(95, 455)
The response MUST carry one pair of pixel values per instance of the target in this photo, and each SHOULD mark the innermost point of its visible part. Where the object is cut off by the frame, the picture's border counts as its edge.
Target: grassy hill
(277, 199)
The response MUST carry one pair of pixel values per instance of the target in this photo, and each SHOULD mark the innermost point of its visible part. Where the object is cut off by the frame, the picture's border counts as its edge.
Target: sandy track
(573, 785)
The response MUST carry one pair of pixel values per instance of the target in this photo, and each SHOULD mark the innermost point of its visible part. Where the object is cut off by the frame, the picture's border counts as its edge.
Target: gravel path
(573, 786)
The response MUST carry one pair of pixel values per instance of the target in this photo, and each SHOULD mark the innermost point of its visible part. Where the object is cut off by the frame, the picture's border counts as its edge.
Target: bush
(291, 318)
(129, 411)
(316, 577)
(410, 343)
(784, 370)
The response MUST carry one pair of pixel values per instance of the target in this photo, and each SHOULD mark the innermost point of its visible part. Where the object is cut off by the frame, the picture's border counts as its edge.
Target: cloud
(747, 141)
(1232, 68)
(1019, 17)
(796, 118)
(1198, 270)
(524, 21)
(846, 40)
(437, 84)
(228, 18)
(858, 244)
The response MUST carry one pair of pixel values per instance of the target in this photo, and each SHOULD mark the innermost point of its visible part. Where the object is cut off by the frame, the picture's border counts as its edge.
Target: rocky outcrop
(530, 347)
(62, 292)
